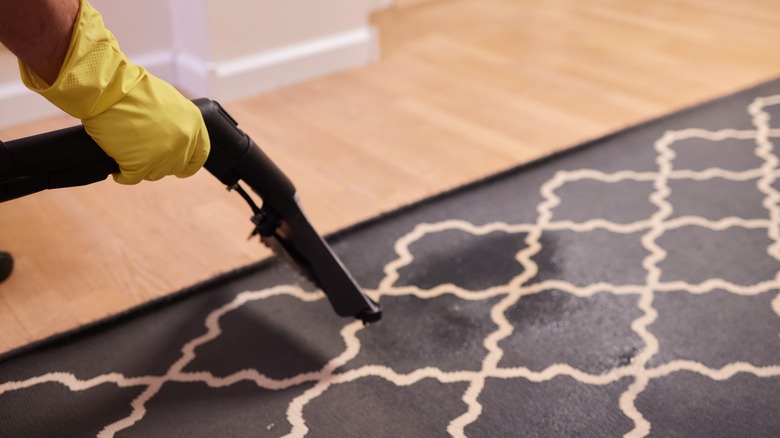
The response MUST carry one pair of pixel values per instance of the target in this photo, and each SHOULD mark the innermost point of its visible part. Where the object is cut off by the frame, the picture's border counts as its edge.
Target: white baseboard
(224, 81)
(266, 71)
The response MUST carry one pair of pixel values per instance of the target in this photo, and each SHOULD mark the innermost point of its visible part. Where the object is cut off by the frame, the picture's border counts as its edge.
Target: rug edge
(170, 298)
(118, 318)
(339, 234)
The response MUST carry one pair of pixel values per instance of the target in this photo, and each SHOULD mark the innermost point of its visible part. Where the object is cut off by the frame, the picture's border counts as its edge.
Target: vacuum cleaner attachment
(68, 157)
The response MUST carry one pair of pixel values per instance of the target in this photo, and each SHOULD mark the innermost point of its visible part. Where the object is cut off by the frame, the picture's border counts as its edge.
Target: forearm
(38, 32)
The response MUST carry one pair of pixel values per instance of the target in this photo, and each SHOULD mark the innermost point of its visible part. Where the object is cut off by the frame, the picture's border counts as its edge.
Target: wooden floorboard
(463, 89)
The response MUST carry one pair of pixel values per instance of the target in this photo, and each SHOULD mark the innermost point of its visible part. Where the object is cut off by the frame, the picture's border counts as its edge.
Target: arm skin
(38, 32)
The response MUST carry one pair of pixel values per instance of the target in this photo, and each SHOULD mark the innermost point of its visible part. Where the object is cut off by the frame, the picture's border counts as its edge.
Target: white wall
(143, 29)
(223, 49)
(268, 44)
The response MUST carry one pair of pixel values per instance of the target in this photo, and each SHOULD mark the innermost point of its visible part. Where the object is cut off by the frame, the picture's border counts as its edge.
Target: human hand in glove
(141, 121)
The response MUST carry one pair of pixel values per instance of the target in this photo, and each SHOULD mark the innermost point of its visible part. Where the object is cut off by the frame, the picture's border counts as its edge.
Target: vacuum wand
(69, 157)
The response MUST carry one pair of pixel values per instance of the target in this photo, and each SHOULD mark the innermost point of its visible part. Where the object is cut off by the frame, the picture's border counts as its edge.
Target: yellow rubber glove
(141, 121)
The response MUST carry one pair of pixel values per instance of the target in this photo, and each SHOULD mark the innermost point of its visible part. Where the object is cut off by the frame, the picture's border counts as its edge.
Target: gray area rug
(626, 287)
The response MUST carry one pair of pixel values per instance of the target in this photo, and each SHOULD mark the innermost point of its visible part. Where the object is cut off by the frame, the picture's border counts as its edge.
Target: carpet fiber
(628, 286)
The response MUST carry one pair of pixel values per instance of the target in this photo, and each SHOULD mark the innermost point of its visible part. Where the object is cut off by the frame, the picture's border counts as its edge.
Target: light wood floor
(464, 88)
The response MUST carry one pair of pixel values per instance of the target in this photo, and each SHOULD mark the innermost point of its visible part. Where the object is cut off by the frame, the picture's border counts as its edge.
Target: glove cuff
(95, 73)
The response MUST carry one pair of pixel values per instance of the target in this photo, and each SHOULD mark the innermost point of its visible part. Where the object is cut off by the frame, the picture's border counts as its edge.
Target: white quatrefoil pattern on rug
(626, 288)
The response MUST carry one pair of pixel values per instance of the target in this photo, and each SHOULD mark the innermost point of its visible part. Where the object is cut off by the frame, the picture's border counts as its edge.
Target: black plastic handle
(69, 157)
(234, 156)
(63, 158)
